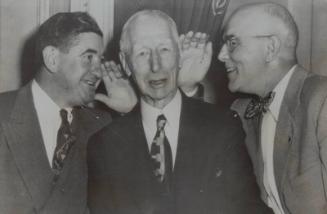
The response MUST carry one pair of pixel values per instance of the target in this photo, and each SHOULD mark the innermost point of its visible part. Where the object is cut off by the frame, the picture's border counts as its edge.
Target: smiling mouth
(230, 69)
(92, 83)
(157, 83)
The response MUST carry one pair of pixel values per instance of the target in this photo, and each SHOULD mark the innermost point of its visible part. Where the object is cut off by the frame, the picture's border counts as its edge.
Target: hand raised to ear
(120, 96)
(196, 52)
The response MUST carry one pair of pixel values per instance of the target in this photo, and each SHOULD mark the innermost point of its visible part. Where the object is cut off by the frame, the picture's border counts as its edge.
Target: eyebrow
(228, 37)
(89, 51)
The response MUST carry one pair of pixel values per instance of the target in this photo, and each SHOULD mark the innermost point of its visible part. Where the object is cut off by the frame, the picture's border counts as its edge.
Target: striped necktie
(65, 140)
(161, 152)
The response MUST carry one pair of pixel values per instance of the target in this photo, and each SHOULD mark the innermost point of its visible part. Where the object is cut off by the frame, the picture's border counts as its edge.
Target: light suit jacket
(300, 146)
(27, 183)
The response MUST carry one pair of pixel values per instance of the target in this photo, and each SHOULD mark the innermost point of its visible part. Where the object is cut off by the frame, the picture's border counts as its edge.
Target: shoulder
(313, 93)
(117, 129)
(111, 142)
(7, 102)
(201, 107)
(314, 85)
(95, 114)
(239, 105)
(219, 120)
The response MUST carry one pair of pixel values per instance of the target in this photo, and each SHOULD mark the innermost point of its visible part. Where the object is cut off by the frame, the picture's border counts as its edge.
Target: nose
(155, 61)
(223, 54)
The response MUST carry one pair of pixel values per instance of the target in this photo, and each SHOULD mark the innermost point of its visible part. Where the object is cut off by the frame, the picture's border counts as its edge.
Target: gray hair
(280, 12)
(125, 40)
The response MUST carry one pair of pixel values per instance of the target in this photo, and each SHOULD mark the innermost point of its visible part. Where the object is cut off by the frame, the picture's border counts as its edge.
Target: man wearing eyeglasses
(286, 124)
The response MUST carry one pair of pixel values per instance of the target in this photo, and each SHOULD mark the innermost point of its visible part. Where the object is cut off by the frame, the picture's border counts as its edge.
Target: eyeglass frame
(227, 41)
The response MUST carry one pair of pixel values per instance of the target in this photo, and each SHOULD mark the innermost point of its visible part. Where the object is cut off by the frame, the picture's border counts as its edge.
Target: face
(153, 60)
(79, 70)
(243, 53)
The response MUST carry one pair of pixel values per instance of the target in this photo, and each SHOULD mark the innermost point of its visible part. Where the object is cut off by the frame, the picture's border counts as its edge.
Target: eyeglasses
(232, 42)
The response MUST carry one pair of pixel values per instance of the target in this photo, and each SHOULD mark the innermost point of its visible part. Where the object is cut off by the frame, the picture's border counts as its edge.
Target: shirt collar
(171, 111)
(279, 93)
(45, 105)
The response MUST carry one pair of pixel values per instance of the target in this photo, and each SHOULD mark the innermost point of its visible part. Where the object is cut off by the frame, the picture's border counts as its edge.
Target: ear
(273, 48)
(51, 58)
(124, 63)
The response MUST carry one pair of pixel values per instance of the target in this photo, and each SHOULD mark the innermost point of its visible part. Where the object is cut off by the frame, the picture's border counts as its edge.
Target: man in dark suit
(286, 132)
(44, 126)
(172, 154)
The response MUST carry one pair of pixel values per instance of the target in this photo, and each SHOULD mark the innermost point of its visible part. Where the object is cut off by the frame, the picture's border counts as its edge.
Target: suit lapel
(284, 128)
(138, 160)
(25, 142)
(142, 146)
(252, 128)
(183, 153)
(256, 123)
(189, 156)
(85, 123)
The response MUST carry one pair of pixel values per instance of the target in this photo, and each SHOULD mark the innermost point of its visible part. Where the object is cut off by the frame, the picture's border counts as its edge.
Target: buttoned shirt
(48, 114)
(268, 129)
(172, 112)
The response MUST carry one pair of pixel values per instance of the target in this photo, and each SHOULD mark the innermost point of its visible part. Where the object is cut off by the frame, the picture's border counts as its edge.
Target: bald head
(259, 47)
(268, 18)
(140, 19)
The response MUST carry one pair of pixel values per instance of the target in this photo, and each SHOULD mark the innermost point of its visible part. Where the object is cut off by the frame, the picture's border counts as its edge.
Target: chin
(232, 89)
(87, 99)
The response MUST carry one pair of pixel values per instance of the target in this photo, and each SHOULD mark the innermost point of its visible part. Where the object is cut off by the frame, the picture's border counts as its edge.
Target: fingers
(208, 49)
(113, 69)
(181, 38)
(185, 43)
(202, 40)
(193, 40)
(102, 98)
(207, 56)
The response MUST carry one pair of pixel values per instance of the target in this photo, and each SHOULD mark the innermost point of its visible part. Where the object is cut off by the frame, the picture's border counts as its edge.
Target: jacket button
(201, 191)
(63, 190)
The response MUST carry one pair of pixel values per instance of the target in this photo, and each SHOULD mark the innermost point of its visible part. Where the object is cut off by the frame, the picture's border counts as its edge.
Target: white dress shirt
(268, 129)
(48, 114)
(172, 112)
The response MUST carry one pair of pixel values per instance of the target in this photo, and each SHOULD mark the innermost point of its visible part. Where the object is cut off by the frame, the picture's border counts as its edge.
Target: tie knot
(161, 122)
(259, 105)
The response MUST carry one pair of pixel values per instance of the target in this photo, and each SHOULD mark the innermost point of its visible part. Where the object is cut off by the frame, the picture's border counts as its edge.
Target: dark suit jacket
(27, 183)
(212, 172)
(300, 146)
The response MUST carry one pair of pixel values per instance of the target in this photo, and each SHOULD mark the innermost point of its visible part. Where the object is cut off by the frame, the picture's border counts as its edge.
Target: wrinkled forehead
(249, 23)
(150, 27)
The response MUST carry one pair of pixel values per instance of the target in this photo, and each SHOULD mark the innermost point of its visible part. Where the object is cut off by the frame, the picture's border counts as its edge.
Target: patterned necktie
(259, 105)
(161, 152)
(65, 140)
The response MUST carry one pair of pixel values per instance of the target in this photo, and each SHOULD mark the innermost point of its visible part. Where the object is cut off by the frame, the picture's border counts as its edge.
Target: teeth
(230, 70)
(90, 83)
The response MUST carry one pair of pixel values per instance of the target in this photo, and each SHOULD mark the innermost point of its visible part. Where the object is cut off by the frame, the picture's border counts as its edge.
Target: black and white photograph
(163, 107)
